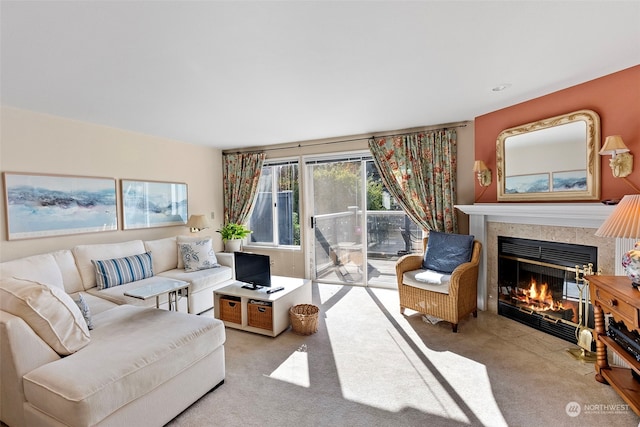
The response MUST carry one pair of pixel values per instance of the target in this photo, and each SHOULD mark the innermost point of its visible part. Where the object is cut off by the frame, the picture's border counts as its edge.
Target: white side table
(171, 287)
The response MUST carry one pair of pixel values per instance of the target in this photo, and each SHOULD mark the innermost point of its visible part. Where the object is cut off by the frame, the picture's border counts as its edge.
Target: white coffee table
(171, 287)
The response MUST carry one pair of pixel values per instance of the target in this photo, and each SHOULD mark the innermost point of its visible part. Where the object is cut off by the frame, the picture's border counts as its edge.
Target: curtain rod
(342, 140)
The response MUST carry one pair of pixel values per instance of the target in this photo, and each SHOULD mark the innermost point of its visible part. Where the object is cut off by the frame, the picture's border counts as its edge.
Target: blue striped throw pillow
(118, 271)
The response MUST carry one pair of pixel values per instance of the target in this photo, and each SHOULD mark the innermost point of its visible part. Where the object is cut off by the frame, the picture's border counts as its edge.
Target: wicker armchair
(461, 299)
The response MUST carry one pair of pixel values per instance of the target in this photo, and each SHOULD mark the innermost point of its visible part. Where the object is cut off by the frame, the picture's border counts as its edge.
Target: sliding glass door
(358, 232)
(337, 220)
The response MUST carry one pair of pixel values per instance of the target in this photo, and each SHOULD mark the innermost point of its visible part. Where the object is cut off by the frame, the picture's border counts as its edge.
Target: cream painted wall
(38, 143)
(287, 262)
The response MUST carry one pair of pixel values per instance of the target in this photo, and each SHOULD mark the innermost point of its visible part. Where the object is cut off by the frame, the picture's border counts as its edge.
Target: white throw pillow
(433, 277)
(187, 239)
(198, 255)
(49, 311)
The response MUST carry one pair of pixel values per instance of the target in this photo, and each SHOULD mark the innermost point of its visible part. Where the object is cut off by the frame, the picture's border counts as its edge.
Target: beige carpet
(370, 366)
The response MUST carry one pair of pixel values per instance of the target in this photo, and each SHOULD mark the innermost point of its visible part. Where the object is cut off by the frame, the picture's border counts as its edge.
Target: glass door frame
(310, 243)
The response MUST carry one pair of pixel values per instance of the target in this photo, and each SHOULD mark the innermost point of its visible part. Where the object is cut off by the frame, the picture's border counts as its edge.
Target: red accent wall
(616, 99)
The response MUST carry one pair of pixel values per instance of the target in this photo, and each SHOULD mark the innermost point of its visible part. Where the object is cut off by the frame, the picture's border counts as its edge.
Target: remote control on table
(272, 290)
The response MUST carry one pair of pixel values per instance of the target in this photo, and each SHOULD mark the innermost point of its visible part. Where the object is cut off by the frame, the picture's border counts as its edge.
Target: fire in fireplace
(539, 284)
(537, 298)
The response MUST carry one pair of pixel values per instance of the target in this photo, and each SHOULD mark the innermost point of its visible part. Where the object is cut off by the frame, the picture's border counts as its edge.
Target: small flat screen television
(253, 269)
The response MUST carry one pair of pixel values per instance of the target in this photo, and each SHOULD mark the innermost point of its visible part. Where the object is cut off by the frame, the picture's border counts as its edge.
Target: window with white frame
(275, 220)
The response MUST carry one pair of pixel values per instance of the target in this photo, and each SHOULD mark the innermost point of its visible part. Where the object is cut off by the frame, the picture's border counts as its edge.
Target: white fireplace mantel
(588, 215)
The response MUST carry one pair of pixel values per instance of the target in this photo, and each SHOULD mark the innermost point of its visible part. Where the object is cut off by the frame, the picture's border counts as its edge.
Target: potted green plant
(232, 235)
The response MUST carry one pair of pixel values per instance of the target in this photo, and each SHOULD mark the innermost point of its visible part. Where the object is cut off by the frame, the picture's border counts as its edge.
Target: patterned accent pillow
(198, 255)
(84, 309)
(186, 239)
(118, 271)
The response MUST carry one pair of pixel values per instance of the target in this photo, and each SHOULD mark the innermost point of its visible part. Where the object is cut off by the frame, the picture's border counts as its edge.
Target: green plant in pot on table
(232, 235)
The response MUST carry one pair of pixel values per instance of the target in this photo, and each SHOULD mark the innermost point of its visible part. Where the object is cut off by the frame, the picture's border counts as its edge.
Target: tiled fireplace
(540, 284)
(573, 223)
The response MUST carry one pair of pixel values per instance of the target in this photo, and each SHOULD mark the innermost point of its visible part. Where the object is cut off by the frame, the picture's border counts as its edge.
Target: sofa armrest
(227, 259)
(21, 351)
(20, 343)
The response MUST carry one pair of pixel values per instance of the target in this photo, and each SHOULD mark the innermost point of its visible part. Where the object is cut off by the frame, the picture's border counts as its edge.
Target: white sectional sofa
(137, 366)
(166, 264)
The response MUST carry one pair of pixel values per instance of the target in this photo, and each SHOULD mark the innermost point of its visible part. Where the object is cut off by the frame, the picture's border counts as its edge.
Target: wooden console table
(615, 295)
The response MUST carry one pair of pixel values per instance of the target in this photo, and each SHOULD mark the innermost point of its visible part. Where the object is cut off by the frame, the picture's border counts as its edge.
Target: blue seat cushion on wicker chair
(446, 251)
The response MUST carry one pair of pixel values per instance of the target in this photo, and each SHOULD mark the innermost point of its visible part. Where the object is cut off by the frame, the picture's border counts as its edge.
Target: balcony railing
(340, 238)
(388, 234)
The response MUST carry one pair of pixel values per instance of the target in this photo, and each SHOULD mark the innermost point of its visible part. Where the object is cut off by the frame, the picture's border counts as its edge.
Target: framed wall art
(147, 204)
(39, 205)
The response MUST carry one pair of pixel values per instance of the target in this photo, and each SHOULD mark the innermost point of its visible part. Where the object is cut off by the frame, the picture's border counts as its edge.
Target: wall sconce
(483, 172)
(621, 160)
(197, 223)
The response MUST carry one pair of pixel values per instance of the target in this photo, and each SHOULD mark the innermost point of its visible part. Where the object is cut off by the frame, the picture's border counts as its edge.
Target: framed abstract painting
(39, 205)
(147, 204)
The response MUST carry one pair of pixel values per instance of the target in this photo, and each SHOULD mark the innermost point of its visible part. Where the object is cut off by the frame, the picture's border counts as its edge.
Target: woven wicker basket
(260, 316)
(230, 309)
(304, 319)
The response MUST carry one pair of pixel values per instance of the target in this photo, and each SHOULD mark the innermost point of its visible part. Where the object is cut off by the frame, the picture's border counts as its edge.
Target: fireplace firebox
(540, 284)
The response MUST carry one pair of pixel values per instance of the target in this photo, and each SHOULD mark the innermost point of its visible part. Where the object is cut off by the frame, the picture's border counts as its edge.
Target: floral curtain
(419, 170)
(241, 173)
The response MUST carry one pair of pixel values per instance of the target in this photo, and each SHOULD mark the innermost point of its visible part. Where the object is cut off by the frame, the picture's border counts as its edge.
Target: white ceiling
(237, 74)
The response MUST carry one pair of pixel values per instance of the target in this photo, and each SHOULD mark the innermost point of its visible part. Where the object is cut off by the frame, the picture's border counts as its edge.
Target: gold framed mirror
(553, 159)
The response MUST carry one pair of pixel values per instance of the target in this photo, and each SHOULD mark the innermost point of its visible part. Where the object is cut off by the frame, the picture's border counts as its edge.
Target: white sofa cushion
(156, 345)
(39, 268)
(96, 304)
(70, 275)
(164, 253)
(85, 253)
(49, 311)
(202, 279)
